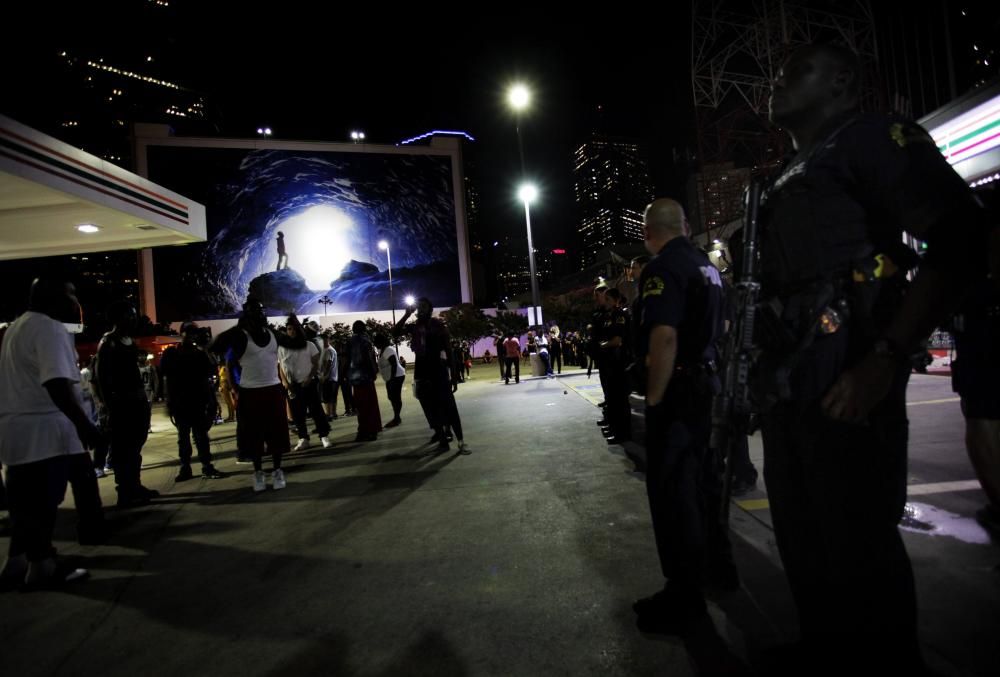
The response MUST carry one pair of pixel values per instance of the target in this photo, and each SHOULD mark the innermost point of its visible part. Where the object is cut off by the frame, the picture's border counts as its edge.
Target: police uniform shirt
(872, 177)
(680, 288)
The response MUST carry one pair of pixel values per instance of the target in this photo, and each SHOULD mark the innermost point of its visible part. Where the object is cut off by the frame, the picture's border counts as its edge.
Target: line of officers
(838, 320)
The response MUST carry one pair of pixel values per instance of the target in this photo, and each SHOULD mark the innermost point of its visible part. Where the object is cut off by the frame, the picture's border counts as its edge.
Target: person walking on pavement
(681, 302)
(191, 404)
(44, 434)
(261, 399)
(834, 424)
(512, 357)
(362, 373)
(556, 349)
(328, 374)
(120, 388)
(434, 377)
(393, 373)
(300, 366)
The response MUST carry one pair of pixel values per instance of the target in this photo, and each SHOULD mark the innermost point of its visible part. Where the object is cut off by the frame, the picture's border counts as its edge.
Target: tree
(466, 323)
(510, 322)
(572, 311)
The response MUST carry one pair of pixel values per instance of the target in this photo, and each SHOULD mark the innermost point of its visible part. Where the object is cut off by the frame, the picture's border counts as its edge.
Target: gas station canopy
(56, 199)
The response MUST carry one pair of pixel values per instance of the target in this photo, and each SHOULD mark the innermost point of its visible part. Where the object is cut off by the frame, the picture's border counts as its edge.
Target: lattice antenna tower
(737, 47)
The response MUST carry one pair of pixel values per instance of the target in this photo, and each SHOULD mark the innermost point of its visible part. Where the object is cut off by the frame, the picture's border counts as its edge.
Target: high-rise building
(611, 180)
(715, 197)
(96, 89)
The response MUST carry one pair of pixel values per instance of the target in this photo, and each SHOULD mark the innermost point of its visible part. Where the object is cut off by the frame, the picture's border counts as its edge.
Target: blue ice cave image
(332, 209)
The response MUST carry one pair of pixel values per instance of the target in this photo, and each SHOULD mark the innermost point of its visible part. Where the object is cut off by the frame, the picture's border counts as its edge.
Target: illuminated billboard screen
(300, 230)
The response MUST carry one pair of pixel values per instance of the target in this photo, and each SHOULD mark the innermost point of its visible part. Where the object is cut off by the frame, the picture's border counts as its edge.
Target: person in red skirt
(361, 373)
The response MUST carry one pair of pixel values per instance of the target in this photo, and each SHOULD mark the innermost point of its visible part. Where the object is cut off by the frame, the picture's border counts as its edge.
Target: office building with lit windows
(612, 187)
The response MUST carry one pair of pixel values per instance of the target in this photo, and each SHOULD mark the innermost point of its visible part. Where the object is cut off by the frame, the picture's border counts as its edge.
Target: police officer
(833, 374)
(681, 303)
(596, 327)
(614, 355)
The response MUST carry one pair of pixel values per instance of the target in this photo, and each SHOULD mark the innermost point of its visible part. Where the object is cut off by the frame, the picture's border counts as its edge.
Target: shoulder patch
(653, 287)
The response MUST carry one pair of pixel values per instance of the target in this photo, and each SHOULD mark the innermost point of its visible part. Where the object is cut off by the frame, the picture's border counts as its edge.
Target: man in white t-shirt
(393, 373)
(42, 428)
(299, 366)
(328, 374)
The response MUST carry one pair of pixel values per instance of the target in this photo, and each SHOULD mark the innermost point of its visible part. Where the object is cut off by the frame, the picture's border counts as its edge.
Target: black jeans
(516, 363)
(557, 360)
(34, 492)
(129, 423)
(194, 423)
(394, 389)
(837, 493)
(306, 398)
(348, 395)
(86, 495)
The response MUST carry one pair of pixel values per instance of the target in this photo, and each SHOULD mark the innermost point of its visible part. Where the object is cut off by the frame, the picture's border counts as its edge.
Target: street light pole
(519, 98)
(392, 300)
(531, 265)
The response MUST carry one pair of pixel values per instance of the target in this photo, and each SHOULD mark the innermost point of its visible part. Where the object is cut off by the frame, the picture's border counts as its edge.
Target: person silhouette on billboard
(282, 254)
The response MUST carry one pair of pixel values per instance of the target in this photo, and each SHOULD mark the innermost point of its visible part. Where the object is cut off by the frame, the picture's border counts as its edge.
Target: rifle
(731, 408)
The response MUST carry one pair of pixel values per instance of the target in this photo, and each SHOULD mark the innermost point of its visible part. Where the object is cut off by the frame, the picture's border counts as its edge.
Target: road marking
(592, 392)
(949, 399)
(941, 487)
(754, 504)
(912, 490)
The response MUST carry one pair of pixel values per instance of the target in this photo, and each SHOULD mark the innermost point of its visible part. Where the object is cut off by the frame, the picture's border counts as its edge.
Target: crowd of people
(53, 412)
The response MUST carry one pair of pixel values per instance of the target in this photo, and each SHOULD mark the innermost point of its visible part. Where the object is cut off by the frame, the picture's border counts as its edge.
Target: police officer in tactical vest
(681, 308)
(832, 377)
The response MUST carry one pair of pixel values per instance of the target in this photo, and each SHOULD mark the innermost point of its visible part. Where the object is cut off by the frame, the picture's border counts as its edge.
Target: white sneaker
(303, 444)
(463, 448)
(326, 442)
(278, 479)
(100, 472)
(259, 483)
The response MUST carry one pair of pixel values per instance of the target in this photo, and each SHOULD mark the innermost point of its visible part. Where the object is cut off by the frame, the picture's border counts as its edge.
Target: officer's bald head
(663, 221)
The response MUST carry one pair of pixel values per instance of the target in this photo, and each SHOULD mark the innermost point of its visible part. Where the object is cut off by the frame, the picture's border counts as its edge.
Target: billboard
(299, 227)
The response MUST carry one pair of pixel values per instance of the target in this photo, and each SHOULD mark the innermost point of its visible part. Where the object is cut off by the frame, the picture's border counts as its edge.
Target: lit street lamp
(519, 98)
(357, 137)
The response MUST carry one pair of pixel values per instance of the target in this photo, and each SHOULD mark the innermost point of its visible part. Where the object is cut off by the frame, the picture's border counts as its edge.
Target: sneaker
(278, 479)
(185, 474)
(108, 469)
(303, 444)
(463, 448)
(326, 442)
(209, 472)
(100, 473)
(393, 423)
(259, 483)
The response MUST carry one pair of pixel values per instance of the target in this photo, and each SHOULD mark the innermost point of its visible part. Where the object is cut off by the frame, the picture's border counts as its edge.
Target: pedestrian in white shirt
(42, 428)
(393, 373)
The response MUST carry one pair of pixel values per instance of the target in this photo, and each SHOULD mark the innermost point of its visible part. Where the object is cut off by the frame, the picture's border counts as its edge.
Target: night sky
(316, 74)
